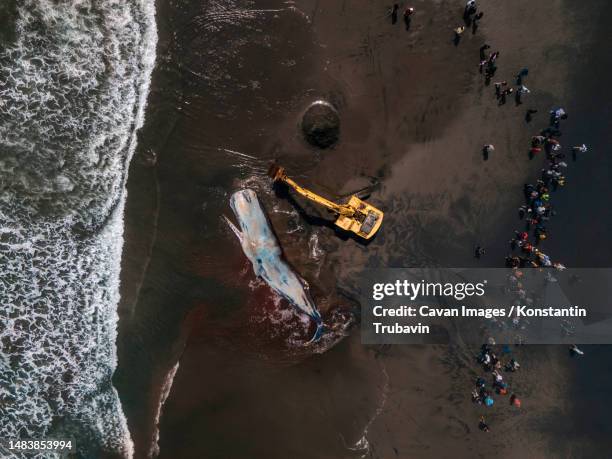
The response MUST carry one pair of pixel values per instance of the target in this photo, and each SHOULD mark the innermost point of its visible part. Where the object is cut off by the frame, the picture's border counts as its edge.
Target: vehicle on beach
(356, 216)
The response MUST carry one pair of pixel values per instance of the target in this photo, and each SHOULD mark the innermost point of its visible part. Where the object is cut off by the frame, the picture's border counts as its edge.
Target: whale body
(261, 247)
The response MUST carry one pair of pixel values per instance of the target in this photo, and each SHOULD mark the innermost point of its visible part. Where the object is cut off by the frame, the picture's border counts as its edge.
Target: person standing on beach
(458, 31)
(512, 365)
(551, 145)
(490, 70)
(481, 65)
(515, 401)
(524, 210)
(470, 8)
(408, 12)
(491, 67)
(575, 351)
(557, 114)
(394, 11)
(482, 425)
(483, 48)
(504, 94)
(529, 114)
(522, 74)
(533, 151)
(477, 18)
(486, 149)
(498, 88)
(519, 93)
(579, 149)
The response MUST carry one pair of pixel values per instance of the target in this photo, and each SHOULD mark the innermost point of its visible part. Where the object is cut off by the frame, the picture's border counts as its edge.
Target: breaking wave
(73, 86)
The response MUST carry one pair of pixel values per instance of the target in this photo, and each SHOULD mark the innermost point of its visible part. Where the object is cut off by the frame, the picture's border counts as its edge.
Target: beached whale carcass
(261, 247)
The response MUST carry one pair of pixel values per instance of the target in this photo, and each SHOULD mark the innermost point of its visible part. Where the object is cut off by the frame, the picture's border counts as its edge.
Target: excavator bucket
(276, 172)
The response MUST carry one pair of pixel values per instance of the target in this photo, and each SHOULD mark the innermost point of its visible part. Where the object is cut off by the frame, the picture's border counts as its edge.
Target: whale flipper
(236, 231)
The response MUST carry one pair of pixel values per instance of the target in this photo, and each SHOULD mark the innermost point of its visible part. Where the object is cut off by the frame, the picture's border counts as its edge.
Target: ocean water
(74, 79)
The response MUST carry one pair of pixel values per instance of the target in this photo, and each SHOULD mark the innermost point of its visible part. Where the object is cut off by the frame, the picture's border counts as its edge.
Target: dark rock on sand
(321, 124)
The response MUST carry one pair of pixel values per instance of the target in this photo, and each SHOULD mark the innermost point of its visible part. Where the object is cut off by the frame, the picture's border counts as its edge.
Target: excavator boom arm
(342, 210)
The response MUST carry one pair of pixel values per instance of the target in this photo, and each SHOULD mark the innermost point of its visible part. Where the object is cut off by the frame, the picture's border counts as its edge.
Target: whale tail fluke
(318, 332)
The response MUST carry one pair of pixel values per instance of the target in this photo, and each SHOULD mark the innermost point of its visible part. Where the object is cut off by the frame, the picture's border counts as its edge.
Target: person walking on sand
(529, 114)
(519, 93)
(524, 210)
(512, 365)
(533, 152)
(551, 144)
(482, 425)
(578, 149)
(513, 244)
(458, 31)
(490, 70)
(482, 65)
(574, 351)
(522, 74)
(394, 11)
(483, 48)
(408, 12)
(498, 88)
(486, 150)
(522, 235)
(470, 8)
(504, 94)
(477, 18)
(556, 115)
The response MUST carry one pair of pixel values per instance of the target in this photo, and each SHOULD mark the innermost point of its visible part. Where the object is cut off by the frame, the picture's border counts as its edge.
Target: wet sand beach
(231, 82)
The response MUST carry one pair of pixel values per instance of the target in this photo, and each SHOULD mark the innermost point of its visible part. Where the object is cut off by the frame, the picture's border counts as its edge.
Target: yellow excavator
(356, 215)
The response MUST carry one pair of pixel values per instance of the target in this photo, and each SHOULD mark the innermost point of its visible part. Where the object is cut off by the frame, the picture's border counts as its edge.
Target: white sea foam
(165, 391)
(73, 86)
(363, 444)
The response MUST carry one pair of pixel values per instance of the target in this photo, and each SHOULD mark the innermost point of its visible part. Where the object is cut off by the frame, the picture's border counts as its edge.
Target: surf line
(363, 444)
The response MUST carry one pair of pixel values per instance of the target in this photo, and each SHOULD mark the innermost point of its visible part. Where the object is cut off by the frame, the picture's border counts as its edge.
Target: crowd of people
(537, 210)
(492, 364)
(496, 366)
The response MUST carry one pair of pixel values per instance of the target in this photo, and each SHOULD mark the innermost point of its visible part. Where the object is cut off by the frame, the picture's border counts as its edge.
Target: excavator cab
(356, 216)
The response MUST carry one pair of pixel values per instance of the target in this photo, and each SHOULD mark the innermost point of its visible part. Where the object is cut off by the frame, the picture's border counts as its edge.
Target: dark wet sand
(415, 113)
